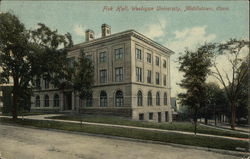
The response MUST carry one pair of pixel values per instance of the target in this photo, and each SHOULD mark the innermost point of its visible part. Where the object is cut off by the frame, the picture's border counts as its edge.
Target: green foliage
(25, 54)
(242, 107)
(50, 51)
(83, 75)
(196, 66)
(216, 101)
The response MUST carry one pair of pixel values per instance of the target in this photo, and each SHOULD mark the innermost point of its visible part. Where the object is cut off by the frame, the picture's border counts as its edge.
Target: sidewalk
(239, 130)
(43, 117)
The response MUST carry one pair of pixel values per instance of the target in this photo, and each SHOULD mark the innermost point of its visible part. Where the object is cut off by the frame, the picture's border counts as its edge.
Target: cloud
(79, 30)
(156, 30)
(187, 38)
(190, 38)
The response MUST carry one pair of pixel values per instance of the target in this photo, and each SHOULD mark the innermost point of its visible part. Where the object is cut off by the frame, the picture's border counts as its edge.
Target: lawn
(179, 126)
(177, 138)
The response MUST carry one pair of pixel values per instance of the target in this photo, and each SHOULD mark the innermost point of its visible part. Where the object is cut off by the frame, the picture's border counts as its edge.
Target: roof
(123, 34)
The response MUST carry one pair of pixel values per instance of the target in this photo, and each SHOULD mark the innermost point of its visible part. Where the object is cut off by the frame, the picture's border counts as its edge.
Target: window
(165, 80)
(103, 99)
(157, 78)
(38, 83)
(158, 98)
(103, 76)
(46, 83)
(118, 53)
(150, 116)
(157, 61)
(138, 54)
(37, 101)
(89, 100)
(138, 74)
(56, 100)
(165, 99)
(149, 76)
(141, 116)
(149, 58)
(164, 63)
(103, 57)
(149, 98)
(46, 101)
(119, 99)
(139, 98)
(119, 74)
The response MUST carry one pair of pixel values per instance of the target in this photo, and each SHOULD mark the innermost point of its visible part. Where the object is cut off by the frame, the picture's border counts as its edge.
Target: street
(28, 143)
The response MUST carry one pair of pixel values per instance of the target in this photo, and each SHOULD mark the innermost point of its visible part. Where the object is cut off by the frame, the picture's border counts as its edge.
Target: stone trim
(119, 36)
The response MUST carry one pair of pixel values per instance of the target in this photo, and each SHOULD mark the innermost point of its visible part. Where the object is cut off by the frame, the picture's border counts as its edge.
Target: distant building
(132, 79)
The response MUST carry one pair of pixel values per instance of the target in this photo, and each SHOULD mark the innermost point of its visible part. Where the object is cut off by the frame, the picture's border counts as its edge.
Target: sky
(176, 29)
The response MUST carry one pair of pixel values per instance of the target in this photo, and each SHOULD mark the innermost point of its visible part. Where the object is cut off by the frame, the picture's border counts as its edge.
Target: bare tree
(233, 50)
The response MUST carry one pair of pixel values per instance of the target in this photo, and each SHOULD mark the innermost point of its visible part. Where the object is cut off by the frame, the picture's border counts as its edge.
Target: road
(28, 143)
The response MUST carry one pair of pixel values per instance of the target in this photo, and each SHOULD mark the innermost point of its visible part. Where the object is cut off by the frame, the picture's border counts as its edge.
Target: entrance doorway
(67, 101)
(166, 116)
(159, 117)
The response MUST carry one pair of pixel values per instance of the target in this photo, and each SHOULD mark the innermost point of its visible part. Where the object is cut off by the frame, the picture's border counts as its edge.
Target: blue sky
(175, 30)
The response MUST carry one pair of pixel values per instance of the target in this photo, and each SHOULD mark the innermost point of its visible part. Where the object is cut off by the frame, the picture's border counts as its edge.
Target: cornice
(151, 42)
(128, 33)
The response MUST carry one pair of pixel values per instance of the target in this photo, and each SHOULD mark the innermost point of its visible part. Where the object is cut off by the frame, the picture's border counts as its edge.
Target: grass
(184, 139)
(178, 126)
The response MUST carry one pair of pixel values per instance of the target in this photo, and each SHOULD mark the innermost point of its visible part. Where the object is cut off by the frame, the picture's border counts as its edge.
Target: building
(5, 98)
(132, 79)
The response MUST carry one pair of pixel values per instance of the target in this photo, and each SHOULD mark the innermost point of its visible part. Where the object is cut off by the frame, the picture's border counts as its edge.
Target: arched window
(89, 100)
(165, 99)
(119, 99)
(37, 101)
(103, 99)
(56, 100)
(139, 98)
(158, 98)
(149, 98)
(46, 101)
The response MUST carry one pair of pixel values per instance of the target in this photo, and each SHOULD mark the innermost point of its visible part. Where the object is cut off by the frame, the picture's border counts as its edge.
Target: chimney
(106, 30)
(89, 35)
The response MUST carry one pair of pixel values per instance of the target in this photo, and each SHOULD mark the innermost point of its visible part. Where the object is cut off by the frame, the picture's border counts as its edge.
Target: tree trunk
(195, 126)
(215, 120)
(206, 120)
(195, 121)
(15, 99)
(233, 109)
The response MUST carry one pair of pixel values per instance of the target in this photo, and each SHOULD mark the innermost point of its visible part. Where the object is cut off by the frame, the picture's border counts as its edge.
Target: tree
(231, 81)
(79, 76)
(195, 66)
(216, 102)
(83, 77)
(25, 54)
(242, 106)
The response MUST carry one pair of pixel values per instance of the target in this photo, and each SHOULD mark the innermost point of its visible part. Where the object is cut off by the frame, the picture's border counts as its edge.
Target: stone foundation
(124, 112)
